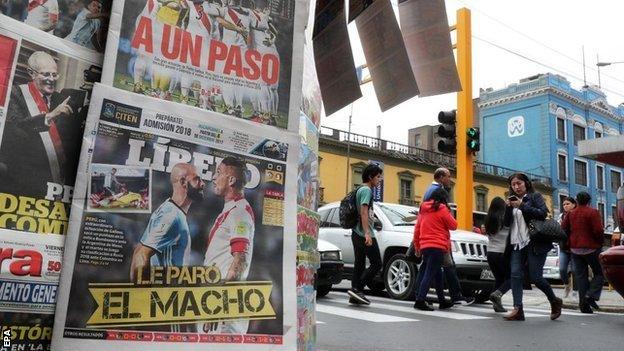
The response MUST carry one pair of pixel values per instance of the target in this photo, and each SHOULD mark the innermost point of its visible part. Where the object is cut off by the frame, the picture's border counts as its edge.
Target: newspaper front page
(45, 89)
(239, 57)
(183, 231)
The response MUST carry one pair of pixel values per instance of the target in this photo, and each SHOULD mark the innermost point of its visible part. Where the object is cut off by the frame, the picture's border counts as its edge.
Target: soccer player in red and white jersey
(230, 242)
(263, 35)
(233, 95)
(43, 14)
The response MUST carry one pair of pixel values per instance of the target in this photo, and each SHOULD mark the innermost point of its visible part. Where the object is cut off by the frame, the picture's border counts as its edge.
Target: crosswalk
(384, 310)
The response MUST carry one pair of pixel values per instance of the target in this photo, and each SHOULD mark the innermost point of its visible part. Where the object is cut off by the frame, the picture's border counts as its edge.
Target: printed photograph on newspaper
(229, 56)
(83, 22)
(44, 98)
(186, 230)
(29, 277)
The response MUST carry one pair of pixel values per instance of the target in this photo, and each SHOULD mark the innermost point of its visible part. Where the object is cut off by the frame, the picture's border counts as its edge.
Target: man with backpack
(362, 235)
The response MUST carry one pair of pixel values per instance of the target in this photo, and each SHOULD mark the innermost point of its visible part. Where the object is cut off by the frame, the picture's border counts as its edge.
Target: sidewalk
(610, 301)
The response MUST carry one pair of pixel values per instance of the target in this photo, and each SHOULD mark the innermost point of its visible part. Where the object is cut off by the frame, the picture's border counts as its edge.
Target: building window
(417, 140)
(562, 164)
(614, 214)
(580, 172)
(598, 135)
(481, 206)
(579, 134)
(600, 177)
(616, 181)
(601, 209)
(356, 174)
(481, 203)
(406, 189)
(561, 132)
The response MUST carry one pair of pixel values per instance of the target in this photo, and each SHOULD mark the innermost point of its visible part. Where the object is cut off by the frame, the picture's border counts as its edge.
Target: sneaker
(359, 296)
(422, 305)
(444, 305)
(354, 301)
(465, 301)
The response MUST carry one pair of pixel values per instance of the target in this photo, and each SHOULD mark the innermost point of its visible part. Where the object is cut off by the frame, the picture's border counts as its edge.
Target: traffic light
(473, 139)
(446, 130)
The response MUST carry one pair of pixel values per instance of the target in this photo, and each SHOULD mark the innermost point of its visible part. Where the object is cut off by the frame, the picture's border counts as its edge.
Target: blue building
(535, 126)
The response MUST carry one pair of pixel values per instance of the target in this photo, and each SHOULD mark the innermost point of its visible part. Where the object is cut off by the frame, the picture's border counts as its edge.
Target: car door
(332, 231)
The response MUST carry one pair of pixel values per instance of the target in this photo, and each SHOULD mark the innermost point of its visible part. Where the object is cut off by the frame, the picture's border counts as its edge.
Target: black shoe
(495, 297)
(422, 305)
(354, 301)
(585, 308)
(591, 302)
(359, 296)
(444, 305)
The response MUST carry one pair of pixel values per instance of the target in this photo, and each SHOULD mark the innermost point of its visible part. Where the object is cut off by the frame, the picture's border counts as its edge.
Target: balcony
(402, 151)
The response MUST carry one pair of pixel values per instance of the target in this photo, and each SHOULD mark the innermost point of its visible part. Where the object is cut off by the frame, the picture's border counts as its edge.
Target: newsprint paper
(183, 231)
(236, 57)
(45, 88)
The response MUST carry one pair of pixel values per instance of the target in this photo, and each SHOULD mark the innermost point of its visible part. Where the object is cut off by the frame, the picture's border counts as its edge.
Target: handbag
(547, 230)
(411, 256)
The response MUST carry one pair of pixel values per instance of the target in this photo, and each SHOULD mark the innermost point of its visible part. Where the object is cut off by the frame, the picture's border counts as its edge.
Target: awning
(609, 150)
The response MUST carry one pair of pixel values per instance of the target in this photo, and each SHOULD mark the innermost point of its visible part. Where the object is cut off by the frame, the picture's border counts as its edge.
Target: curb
(610, 309)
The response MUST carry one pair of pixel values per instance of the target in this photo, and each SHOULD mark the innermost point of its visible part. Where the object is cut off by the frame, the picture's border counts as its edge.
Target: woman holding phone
(524, 205)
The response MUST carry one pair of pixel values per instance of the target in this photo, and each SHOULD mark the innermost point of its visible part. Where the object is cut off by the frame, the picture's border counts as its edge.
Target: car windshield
(400, 214)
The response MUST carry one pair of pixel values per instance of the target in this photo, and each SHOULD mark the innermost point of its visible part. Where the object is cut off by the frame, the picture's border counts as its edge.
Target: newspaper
(29, 276)
(45, 87)
(237, 58)
(385, 55)
(79, 22)
(182, 231)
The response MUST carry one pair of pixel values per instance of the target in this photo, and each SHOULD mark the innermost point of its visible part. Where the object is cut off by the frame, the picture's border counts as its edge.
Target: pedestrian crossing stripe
(362, 315)
(441, 314)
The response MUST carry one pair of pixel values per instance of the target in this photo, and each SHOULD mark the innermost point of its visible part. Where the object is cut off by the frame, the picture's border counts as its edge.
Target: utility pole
(348, 152)
(465, 197)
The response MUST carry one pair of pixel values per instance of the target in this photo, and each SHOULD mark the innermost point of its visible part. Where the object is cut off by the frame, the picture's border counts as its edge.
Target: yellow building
(408, 171)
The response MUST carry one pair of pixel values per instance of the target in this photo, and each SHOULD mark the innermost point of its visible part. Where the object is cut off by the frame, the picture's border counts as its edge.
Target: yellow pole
(464, 192)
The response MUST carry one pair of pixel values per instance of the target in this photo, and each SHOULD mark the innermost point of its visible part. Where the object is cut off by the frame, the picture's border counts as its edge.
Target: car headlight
(331, 256)
(454, 246)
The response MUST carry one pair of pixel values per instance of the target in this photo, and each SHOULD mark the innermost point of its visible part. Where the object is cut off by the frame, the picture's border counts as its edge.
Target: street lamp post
(603, 64)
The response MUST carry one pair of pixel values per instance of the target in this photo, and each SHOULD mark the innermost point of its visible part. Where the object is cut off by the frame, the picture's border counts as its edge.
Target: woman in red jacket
(432, 239)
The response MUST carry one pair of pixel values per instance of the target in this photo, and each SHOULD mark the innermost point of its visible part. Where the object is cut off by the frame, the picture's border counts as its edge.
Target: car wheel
(323, 290)
(400, 277)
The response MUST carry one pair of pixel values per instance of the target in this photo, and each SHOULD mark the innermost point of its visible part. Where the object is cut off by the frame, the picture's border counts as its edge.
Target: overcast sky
(550, 32)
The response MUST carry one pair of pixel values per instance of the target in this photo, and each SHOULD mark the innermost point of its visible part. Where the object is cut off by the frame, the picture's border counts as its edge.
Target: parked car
(551, 266)
(394, 228)
(330, 271)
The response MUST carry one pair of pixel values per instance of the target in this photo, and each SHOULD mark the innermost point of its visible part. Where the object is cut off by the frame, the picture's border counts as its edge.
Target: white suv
(394, 228)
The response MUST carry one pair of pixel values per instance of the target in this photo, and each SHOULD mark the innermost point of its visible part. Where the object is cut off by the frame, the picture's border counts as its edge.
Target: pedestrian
(524, 205)
(363, 237)
(442, 179)
(585, 230)
(565, 257)
(432, 239)
(498, 235)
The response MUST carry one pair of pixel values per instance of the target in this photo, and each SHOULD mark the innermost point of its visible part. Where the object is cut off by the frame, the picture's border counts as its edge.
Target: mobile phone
(513, 198)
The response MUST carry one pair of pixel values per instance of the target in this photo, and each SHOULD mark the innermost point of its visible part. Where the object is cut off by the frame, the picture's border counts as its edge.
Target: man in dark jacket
(585, 232)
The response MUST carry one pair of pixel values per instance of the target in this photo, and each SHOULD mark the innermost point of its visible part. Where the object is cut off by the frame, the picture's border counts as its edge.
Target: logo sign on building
(378, 190)
(515, 126)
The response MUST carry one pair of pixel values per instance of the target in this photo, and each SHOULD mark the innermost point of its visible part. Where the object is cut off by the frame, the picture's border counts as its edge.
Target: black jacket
(532, 207)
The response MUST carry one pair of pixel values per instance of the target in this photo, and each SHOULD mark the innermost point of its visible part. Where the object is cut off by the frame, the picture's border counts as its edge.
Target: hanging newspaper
(45, 87)
(183, 230)
(235, 57)
(29, 276)
(80, 22)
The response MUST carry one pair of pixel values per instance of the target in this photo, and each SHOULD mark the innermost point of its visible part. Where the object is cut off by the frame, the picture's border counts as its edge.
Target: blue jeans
(520, 261)
(587, 289)
(431, 274)
(565, 259)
